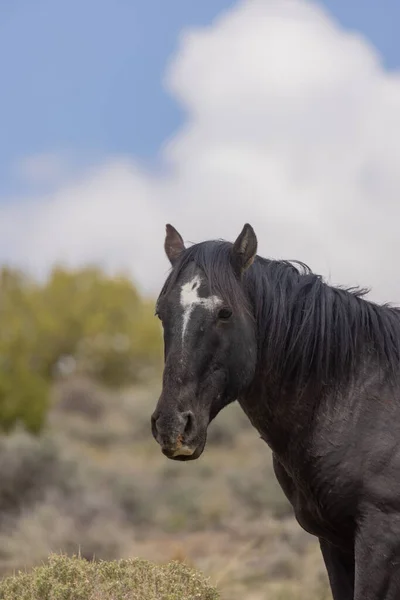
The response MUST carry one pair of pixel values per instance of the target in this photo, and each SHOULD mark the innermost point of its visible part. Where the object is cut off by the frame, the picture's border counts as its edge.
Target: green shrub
(24, 398)
(64, 578)
(80, 322)
(97, 325)
(23, 388)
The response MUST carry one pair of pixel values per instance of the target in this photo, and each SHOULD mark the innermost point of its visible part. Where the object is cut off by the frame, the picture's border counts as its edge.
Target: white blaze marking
(190, 299)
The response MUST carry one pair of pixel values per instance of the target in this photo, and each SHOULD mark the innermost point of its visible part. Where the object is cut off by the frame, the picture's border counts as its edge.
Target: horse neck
(281, 410)
(282, 416)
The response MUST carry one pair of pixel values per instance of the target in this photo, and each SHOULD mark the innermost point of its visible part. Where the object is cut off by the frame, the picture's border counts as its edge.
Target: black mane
(308, 331)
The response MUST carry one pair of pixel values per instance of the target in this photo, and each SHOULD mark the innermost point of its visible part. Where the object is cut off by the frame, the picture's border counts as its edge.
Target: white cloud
(292, 124)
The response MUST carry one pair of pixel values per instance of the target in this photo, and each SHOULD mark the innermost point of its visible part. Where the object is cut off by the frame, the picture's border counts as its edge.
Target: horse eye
(224, 314)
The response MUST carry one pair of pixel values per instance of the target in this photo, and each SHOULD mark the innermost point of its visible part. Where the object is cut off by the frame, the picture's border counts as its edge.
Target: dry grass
(97, 483)
(64, 578)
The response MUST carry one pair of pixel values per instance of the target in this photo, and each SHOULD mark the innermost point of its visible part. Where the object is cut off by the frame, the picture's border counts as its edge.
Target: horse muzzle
(176, 433)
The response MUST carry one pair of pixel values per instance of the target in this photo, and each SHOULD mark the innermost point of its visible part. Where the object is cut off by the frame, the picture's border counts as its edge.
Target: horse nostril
(189, 425)
(154, 426)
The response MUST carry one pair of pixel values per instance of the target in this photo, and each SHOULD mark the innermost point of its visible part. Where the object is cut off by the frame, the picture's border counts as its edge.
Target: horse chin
(196, 454)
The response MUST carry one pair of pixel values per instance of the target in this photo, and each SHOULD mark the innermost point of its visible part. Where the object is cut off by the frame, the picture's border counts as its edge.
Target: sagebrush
(64, 578)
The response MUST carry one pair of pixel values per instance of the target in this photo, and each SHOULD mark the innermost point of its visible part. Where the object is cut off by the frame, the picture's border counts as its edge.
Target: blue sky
(86, 77)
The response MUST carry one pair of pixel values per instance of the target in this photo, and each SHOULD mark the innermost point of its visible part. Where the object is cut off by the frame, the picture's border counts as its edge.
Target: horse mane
(307, 330)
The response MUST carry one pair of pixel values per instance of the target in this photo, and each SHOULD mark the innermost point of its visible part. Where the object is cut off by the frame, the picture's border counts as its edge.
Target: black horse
(316, 369)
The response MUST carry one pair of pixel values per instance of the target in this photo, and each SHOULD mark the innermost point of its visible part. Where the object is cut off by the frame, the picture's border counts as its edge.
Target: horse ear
(173, 244)
(244, 249)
